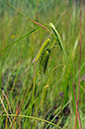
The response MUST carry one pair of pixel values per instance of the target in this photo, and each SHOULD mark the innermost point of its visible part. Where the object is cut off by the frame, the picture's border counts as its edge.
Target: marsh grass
(24, 87)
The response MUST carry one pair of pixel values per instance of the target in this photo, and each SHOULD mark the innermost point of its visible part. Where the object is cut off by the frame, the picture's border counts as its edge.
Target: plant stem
(80, 48)
(80, 126)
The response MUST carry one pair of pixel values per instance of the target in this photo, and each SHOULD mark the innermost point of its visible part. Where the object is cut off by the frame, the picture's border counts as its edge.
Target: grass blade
(59, 41)
(18, 40)
(32, 117)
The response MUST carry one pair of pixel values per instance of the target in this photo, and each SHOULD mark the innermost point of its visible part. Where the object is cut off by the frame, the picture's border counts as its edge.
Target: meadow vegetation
(36, 90)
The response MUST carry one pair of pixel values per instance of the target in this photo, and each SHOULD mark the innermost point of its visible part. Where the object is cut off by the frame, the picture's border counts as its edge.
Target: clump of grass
(34, 94)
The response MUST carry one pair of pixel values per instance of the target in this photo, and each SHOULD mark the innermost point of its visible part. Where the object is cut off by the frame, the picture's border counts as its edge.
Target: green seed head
(42, 49)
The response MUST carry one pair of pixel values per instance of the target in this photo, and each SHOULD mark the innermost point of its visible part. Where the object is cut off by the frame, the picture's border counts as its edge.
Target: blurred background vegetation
(17, 67)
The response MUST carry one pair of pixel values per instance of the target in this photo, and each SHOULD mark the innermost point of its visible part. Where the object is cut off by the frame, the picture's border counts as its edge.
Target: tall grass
(30, 98)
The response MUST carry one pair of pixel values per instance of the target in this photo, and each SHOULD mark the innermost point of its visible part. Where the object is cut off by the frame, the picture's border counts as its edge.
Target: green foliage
(29, 7)
(59, 41)
(20, 40)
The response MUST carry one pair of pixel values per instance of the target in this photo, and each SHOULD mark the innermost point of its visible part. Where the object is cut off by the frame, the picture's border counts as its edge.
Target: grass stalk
(18, 40)
(80, 49)
(75, 103)
(42, 26)
(19, 108)
(32, 117)
(80, 126)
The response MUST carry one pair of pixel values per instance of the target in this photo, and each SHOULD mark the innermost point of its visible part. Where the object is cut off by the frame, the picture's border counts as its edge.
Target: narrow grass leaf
(18, 40)
(67, 64)
(32, 117)
(60, 42)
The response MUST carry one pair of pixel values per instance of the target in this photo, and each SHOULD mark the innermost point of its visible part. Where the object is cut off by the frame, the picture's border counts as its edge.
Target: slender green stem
(18, 40)
(32, 117)
(53, 71)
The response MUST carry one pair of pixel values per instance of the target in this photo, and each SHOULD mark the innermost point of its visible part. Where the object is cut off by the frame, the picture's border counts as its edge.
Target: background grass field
(21, 83)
